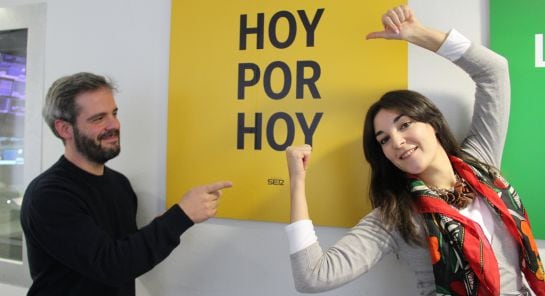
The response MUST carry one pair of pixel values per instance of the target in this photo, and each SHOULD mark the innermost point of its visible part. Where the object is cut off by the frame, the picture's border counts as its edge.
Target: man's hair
(60, 102)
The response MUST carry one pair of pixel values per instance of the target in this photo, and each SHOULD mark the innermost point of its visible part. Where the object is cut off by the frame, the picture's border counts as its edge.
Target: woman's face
(410, 145)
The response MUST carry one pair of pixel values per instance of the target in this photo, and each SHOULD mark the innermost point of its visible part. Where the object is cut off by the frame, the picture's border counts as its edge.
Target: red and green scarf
(463, 260)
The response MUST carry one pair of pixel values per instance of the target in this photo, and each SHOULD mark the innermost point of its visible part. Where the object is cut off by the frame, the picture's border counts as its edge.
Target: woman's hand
(400, 23)
(298, 158)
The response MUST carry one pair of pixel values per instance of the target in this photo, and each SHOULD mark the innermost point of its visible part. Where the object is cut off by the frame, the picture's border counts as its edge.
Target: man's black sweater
(81, 233)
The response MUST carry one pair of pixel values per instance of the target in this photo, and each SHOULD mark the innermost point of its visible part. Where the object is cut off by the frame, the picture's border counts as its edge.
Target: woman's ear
(64, 129)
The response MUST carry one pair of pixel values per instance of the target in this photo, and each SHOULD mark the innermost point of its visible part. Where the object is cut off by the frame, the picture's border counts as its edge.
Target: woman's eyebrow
(396, 119)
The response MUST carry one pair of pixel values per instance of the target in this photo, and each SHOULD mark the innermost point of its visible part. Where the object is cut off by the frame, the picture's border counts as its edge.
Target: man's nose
(113, 123)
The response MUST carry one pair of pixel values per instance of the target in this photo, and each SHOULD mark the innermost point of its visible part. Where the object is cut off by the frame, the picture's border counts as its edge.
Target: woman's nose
(397, 140)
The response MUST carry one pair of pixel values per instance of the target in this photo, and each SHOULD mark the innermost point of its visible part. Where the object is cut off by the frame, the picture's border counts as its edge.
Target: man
(79, 216)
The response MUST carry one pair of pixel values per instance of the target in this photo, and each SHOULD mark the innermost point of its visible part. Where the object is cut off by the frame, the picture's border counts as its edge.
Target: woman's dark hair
(389, 188)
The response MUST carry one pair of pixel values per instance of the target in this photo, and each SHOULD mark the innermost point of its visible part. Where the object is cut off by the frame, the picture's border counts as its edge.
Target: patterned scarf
(463, 260)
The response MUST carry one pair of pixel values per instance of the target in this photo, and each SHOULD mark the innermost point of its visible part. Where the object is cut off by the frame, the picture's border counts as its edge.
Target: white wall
(31, 17)
(129, 41)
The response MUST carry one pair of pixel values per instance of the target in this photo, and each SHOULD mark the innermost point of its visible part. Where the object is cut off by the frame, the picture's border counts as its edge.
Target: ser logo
(275, 181)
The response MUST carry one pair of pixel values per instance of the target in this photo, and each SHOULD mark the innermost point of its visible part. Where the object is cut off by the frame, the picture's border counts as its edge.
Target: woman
(442, 207)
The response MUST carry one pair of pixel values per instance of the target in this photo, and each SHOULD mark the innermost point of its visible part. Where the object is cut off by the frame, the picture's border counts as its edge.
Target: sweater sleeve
(355, 253)
(65, 229)
(490, 72)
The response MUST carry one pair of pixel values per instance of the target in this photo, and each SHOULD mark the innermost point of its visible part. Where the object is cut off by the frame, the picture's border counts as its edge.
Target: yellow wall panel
(218, 87)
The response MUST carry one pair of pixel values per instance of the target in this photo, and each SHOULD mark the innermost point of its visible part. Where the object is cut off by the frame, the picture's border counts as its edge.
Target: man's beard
(92, 149)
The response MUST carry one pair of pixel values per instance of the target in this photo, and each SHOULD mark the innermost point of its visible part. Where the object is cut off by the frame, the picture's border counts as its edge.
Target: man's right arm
(62, 225)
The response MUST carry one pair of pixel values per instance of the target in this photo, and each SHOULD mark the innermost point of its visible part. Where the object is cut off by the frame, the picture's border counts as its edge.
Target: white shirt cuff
(454, 46)
(301, 235)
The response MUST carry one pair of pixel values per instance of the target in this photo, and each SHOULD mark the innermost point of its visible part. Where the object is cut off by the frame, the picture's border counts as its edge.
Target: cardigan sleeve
(361, 248)
(488, 130)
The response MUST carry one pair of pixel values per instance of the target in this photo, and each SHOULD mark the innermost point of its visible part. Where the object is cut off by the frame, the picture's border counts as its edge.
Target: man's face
(96, 131)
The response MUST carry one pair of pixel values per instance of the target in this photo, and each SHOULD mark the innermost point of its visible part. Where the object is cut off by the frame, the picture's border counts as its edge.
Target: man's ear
(64, 129)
